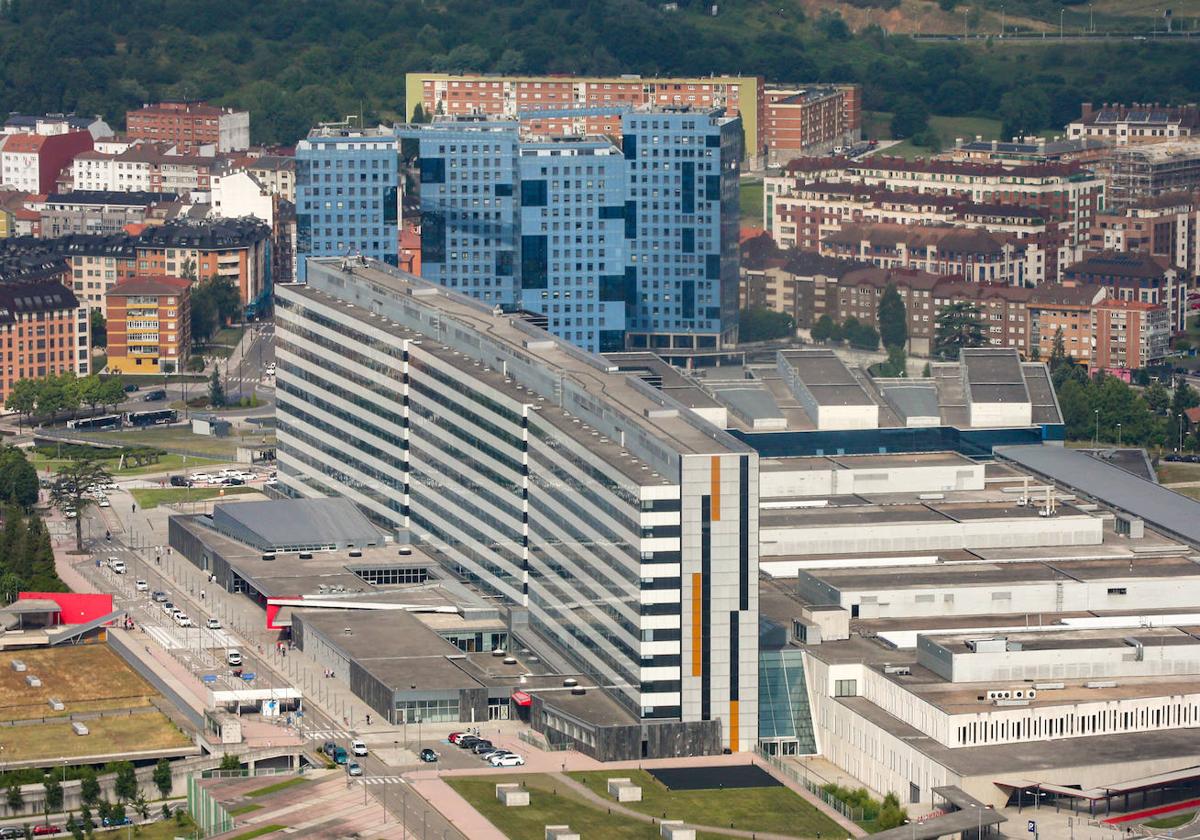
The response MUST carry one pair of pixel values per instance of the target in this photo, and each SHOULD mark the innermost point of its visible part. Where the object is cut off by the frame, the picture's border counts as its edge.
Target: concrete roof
(292, 522)
(1166, 510)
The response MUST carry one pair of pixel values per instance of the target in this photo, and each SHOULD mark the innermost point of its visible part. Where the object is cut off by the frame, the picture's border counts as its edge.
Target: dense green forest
(294, 62)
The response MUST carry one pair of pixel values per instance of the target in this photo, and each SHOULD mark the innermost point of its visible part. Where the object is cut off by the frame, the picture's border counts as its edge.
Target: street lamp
(1061, 12)
(1179, 423)
(1118, 436)
(1001, 21)
(1096, 439)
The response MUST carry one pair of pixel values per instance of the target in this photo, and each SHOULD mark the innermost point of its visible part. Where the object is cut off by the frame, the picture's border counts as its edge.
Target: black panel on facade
(631, 220)
(629, 144)
(712, 267)
(631, 286)
(689, 187)
(433, 170)
(533, 262)
(617, 212)
(504, 263)
(687, 300)
(503, 190)
(433, 238)
(391, 205)
(689, 239)
(533, 193)
(612, 287)
(612, 341)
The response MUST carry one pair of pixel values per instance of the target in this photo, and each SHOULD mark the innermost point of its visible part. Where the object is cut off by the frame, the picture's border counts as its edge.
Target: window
(1117, 590)
(845, 688)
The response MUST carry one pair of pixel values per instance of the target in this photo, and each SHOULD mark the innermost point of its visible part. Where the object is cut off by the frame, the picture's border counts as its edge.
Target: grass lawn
(150, 498)
(1190, 492)
(157, 830)
(1173, 821)
(228, 335)
(166, 463)
(546, 808)
(278, 786)
(143, 731)
(1175, 472)
(85, 677)
(259, 832)
(245, 809)
(179, 438)
(774, 809)
(750, 197)
(877, 124)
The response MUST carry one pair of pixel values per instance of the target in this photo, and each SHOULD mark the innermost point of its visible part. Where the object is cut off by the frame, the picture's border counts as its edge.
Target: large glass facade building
(624, 526)
(616, 246)
(347, 195)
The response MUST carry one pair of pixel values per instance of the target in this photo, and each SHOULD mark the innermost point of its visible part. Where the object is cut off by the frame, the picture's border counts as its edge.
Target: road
(203, 652)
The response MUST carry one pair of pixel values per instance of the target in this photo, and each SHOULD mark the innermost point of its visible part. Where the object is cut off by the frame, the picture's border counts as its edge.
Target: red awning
(521, 698)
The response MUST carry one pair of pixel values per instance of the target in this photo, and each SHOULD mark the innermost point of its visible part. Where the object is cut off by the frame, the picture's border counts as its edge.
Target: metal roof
(293, 522)
(917, 399)
(751, 402)
(1164, 509)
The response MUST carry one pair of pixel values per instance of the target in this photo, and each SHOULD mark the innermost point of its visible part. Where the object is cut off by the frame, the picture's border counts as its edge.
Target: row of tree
(64, 392)
(125, 790)
(1105, 409)
(26, 556)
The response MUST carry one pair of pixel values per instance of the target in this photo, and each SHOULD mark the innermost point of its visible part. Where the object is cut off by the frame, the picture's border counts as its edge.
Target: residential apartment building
(619, 527)
(149, 324)
(1066, 309)
(511, 96)
(1135, 276)
(145, 167)
(1167, 227)
(1149, 171)
(43, 329)
(87, 212)
(190, 126)
(1063, 193)
(51, 124)
(1027, 150)
(348, 194)
(972, 253)
(1134, 124)
(31, 162)
(1130, 334)
(809, 119)
(277, 174)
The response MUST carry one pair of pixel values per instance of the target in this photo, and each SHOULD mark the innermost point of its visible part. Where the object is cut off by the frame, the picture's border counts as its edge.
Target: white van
(233, 657)
(117, 566)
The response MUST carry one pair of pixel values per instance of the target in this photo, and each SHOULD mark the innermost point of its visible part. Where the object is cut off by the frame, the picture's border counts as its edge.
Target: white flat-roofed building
(625, 525)
(827, 390)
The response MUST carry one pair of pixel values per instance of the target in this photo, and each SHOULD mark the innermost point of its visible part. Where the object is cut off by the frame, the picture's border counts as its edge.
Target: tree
(1058, 350)
(141, 806)
(896, 364)
(125, 787)
(761, 324)
(216, 391)
(85, 817)
(1024, 111)
(89, 791)
(75, 827)
(893, 319)
(1157, 398)
(891, 815)
(229, 761)
(910, 117)
(18, 478)
(23, 399)
(824, 329)
(958, 325)
(15, 799)
(162, 777)
(99, 328)
(112, 391)
(70, 489)
(53, 801)
(860, 335)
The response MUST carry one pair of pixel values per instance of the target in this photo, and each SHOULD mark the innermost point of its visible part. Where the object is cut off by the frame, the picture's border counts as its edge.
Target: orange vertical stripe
(697, 657)
(716, 488)
(733, 724)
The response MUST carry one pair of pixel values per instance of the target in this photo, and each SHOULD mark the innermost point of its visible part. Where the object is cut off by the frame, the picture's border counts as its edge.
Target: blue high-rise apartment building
(681, 224)
(347, 195)
(616, 246)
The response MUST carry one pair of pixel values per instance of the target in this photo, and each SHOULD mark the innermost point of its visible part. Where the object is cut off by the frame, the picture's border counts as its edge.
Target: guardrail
(849, 812)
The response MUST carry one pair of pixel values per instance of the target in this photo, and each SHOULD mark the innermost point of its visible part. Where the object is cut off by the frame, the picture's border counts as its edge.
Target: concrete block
(512, 795)
(624, 790)
(33, 681)
(56, 704)
(18, 665)
(675, 830)
(80, 728)
(561, 832)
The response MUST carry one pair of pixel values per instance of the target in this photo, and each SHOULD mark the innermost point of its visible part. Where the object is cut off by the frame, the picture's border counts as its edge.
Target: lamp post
(1002, 21)
(1096, 439)
(1179, 423)
(1061, 12)
(1118, 436)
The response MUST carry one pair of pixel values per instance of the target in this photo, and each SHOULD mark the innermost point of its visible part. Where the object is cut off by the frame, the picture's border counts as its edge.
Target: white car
(182, 620)
(201, 478)
(104, 502)
(117, 566)
(358, 748)
(509, 760)
(246, 475)
(213, 624)
(229, 473)
(141, 586)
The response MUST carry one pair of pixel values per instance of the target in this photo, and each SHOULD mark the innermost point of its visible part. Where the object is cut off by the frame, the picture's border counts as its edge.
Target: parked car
(329, 748)
(340, 756)
(200, 478)
(110, 821)
(155, 395)
(358, 747)
(11, 833)
(232, 481)
(130, 388)
(141, 585)
(158, 596)
(495, 751)
(480, 747)
(180, 481)
(466, 741)
(168, 608)
(510, 760)
(429, 756)
(454, 737)
(354, 768)
(46, 829)
(213, 624)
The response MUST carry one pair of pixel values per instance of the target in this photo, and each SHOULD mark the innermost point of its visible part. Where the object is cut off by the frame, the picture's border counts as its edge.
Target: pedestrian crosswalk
(381, 780)
(328, 734)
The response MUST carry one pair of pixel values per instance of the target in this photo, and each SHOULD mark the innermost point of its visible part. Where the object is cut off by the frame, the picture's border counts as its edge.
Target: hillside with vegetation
(295, 62)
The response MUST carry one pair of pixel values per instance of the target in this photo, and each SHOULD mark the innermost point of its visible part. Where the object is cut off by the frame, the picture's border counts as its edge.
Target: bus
(151, 418)
(91, 424)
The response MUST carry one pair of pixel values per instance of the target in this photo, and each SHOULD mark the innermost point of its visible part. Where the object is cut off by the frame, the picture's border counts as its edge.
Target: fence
(812, 786)
(541, 743)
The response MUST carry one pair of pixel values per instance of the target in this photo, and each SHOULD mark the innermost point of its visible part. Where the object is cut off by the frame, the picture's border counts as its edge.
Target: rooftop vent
(356, 553)
(268, 557)
(509, 660)
(578, 691)
(897, 670)
(404, 551)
